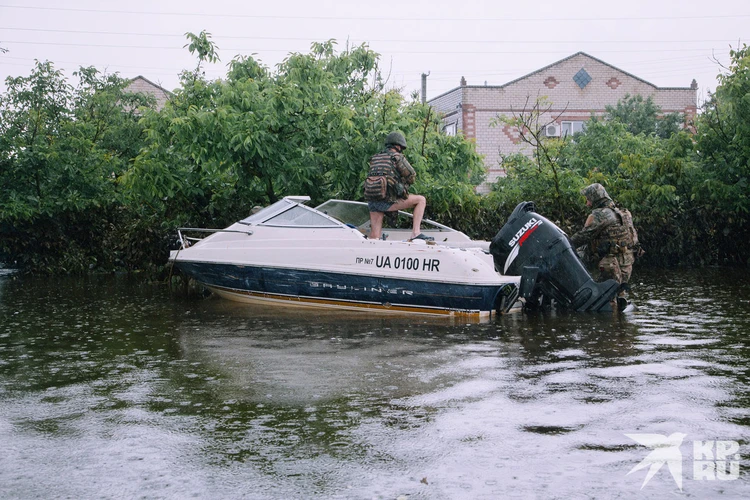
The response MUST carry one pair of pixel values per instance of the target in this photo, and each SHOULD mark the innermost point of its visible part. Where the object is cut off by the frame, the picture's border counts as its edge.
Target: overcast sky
(666, 42)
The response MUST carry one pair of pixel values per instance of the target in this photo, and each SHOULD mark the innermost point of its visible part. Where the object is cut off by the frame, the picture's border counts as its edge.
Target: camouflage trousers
(617, 267)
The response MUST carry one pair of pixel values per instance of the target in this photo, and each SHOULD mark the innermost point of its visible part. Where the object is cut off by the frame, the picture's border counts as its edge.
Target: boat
(292, 253)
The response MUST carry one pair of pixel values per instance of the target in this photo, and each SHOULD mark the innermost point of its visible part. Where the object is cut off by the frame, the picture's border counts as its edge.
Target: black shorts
(379, 206)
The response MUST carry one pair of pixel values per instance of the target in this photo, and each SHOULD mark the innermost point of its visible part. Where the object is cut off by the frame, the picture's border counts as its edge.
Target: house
(574, 88)
(145, 86)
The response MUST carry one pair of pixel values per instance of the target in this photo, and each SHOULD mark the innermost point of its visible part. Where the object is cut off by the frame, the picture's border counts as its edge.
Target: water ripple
(110, 388)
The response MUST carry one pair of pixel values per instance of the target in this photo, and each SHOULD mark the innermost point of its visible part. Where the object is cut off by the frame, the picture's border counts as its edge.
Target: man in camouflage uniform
(399, 174)
(610, 236)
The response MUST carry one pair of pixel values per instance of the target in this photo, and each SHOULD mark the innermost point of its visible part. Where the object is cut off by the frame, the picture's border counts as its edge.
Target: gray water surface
(114, 389)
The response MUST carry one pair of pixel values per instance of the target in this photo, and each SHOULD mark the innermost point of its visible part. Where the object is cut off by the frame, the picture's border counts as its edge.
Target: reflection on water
(110, 389)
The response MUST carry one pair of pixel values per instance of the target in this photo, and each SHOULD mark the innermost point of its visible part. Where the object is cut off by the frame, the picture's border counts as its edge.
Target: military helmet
(595, 192)
(396, 138)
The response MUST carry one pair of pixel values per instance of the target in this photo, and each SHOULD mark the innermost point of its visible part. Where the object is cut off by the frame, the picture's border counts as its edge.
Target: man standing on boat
(610, 235)
(387, 187)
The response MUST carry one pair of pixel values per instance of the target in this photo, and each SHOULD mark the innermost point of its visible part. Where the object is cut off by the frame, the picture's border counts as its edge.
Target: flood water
(110, 388)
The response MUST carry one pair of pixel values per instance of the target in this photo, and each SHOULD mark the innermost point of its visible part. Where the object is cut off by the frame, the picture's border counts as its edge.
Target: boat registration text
(408, 263)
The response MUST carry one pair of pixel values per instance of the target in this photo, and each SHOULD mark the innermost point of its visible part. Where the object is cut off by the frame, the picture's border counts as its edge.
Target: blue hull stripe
(342, 287)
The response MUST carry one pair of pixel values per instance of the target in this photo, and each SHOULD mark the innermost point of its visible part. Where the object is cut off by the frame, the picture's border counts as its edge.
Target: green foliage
(687, 211)
(94, 156)
(723, 143)
(62, 149)
(555, 191)
(650, 176)
(203, 48)
(308, 127)
(92, 177)
(644, 117)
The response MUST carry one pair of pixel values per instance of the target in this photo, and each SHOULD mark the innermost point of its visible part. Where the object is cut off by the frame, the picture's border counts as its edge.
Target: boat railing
(186, 241)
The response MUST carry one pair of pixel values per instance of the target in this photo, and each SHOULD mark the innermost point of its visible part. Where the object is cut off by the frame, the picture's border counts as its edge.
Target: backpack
(376, 183)
(376, 188)
(627, 221)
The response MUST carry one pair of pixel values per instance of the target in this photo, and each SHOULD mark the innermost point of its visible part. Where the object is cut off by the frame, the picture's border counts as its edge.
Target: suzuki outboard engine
(531, 246)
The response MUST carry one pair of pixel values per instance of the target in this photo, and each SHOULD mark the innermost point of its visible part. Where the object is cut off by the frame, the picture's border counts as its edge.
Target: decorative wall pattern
(572, 93)
(512, 133)
(613, 83)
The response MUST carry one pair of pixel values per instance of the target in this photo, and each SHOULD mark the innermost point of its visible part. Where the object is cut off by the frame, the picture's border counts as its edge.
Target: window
(582, 78)
(572, 127)
(450, 129)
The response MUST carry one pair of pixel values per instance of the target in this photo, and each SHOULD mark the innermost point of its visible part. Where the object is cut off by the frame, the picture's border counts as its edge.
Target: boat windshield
(349, 212)
(300, 216)
(267, 212)
(357, 214)
(288, 213)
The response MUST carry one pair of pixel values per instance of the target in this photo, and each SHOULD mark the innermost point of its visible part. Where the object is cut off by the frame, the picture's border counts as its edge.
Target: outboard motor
(531, 246)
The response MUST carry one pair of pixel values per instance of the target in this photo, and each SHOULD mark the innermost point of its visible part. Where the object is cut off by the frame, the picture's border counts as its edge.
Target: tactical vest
(627, 221)
(620, 236)
(381, 164)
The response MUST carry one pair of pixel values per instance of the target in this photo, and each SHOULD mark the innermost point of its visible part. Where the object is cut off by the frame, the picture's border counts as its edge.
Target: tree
(202, 46)
(644, 117)
(723, 144)
(306, 128)
(651, 175)
(61, 151)
(548, 177)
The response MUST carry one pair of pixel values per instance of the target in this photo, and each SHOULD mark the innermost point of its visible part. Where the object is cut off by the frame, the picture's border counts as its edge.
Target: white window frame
(450, 129)
(571, 127)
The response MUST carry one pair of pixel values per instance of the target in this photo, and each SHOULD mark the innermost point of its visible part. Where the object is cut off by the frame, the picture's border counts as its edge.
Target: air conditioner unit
(552, 130)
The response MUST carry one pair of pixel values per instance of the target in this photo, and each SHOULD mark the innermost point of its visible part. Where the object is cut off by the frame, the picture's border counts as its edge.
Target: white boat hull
(327, 263)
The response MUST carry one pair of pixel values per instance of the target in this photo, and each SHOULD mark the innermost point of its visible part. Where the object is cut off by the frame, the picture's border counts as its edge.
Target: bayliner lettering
(392, 291)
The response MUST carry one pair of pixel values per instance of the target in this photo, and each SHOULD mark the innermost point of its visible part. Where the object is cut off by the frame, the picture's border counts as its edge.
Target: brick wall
(449, 105)
(142, 85)
(481, 105)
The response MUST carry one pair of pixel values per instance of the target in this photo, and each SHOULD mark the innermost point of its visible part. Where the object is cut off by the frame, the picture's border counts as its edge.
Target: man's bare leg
(418, 203)
(376, 225)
